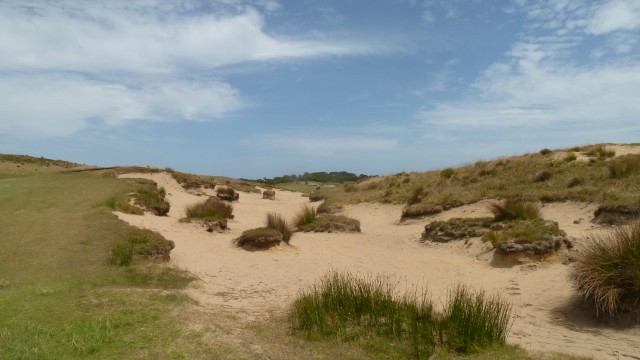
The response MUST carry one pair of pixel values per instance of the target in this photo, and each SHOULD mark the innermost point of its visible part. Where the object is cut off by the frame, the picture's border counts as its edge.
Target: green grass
(153, 199)
(352, 308)
(210, 209)
(332, 223)
(514, 209)
(277, 222)
(121, 254)
(528, 231)
(305, 216)
(607, 273)
(624, 166)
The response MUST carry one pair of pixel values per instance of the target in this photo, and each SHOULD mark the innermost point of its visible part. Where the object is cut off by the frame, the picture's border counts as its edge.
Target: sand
(546, 317)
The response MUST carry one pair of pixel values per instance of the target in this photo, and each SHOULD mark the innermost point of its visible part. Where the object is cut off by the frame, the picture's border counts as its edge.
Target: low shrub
(419, 210)
(487, 172)
(277, 222)
(570, 157)
(514, 209)
(576, 181)
(227, 193)
(543, 176)
(416, 195)
(305, 216)
(527, 231)
(545, 152)
(332, 223)
(260, 238)
(350, 187)
(607, 272)
(150, 244)
(211, 209)
(447, 173)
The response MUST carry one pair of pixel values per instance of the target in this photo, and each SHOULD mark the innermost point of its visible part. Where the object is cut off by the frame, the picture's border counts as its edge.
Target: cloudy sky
(253, 88)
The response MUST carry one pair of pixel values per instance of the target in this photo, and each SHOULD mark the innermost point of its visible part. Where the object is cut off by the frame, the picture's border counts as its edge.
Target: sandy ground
(545, 315)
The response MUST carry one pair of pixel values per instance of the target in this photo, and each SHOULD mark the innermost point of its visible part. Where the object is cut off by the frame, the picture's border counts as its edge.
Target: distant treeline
(321, 177)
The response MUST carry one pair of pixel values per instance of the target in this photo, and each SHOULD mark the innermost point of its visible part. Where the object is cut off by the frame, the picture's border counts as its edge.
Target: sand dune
(251, 282)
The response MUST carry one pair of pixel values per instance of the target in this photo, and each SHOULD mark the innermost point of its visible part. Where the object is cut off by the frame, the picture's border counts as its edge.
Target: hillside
(62, 223)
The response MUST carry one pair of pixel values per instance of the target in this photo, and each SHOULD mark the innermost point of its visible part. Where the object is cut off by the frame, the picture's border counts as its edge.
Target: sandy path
(250, 282)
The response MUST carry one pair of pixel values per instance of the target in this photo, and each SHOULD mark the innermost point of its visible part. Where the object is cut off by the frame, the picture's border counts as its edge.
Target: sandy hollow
(251, 282)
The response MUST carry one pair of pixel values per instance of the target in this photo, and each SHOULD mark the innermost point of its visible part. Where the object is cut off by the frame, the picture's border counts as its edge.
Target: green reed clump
(305, 216)
(348, 307)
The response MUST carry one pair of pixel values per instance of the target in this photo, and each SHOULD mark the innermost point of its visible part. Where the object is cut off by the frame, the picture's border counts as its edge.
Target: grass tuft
(153, 199)
(305, 216)
(447, 173)
(211, 209)
(121, 254)
(277, 222)
(349, 307)
(624, 166)
(607, 273)
(416, 195)
(514, 209)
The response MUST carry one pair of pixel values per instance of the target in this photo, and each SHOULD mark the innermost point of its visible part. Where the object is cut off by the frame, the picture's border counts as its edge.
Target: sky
(263, 88)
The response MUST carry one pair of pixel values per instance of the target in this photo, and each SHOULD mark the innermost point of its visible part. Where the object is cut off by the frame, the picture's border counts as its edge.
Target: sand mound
(250, 282)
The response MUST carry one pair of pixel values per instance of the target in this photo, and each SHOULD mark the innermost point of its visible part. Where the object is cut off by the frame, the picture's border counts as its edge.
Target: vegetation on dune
(153, 199)
(260, 238)
(349, 307)
(607, 272)
(331, 223)
(305, 216)
(514, 209)
(210, 210)
(277, 222)
(600, 179)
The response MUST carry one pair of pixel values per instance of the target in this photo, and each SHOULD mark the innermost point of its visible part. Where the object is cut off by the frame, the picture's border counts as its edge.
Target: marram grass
(346, 307)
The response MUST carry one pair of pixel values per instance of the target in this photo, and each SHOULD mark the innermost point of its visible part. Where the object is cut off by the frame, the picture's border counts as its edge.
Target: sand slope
(251, 282)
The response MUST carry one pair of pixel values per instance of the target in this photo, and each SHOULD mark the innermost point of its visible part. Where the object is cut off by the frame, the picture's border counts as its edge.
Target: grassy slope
(58, 299)
(502, 178)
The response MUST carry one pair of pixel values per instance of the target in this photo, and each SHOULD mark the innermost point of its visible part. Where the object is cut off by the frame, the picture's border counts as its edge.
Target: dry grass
(277, 222)
(305, 216)
(514, 209)
(211, 209)
(607, 273)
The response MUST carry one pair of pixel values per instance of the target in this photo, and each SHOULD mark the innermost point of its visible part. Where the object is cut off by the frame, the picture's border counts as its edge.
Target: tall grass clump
(624, 166)
(416, 195)
(514, 209)
(211, 209)
(601, 152)
(153, 199)
(607, 273)
(348, 307)
(121, 254)
(305, 216)
(277, 222)
(473, 320)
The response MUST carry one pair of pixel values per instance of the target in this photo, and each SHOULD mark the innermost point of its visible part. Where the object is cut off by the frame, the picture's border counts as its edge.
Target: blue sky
(261, 88)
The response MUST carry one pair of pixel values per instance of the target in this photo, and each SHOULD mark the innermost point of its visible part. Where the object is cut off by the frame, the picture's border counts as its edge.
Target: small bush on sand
(570, 157)
(260, 238)
(514, 209)
(121, 254)
(348, 307)
(529, 231)
(227, 193)
(545, 152)
(305, 216)
(277, 222)
(607, 272)
(211, 209)
(332, 223)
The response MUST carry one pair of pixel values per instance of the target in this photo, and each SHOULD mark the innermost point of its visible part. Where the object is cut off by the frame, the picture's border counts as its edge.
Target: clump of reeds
(121, 254)
(277, 222)
(347, 306)
(305, 216)
(514, 209)
(607, 272)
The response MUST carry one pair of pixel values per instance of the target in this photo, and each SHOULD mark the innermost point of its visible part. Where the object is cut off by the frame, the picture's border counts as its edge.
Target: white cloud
(60, 104)
(542, 83)
(64, 62)
(614, 16)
